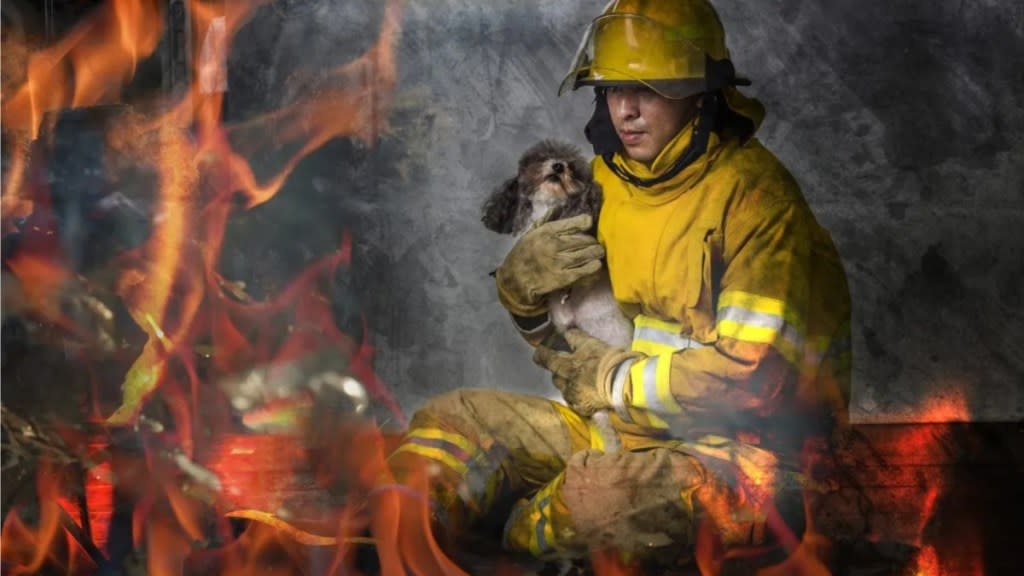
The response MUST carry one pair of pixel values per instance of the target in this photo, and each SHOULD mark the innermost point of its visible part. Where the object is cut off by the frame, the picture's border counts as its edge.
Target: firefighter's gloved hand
(583, 374)
(551, 257)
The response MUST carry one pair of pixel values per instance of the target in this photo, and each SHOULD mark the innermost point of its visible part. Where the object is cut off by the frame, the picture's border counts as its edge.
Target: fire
(26, 549)
(88, 66)
(173, 290)
(184, 485)
(939, 415)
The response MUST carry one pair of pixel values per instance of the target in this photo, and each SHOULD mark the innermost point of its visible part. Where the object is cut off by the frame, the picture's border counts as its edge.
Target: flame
(947, 407)
(27, 549)
(938, 416)
(91, 65)
(15, 202)
(41, 280)
(174, 292)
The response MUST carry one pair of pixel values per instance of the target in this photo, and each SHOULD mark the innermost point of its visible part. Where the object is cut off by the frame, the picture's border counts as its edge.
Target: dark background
(902, 122)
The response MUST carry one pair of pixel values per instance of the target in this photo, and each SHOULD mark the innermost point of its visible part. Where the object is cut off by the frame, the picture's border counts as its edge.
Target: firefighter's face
(645, 120)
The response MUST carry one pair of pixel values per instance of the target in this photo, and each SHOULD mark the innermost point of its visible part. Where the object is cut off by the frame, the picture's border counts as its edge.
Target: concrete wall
(902, 121)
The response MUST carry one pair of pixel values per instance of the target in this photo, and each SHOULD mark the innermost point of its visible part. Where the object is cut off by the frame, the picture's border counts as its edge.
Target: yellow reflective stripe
(656, 422)
(792, 352)
(596, 438)
(638, 392)
(663, 384)
(435, 434)
(760, 304)
(542, 537)
(651, 381)
(645, 321)
(435, 454)
(547, 529)
(649, 348)
(652, 336)
(761, 320)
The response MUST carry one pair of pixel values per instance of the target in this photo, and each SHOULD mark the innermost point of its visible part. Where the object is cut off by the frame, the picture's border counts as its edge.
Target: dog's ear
(501, 207)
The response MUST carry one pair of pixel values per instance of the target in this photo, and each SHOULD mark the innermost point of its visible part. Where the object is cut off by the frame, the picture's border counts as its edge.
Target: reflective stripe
(663, 385)
(650, 380)
(434, 454)
(655, 421)
(651, 385)
(619, 389)
(652, 336)
(762, 320)
(542, 541)
(653, 340)
(756, 303)
(543, 532)
(436, 434)
(479, 471)
(751, 326)
(456, 451)
(596, 438)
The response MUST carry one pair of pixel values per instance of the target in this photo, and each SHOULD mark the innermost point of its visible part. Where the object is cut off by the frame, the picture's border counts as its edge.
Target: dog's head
(553, 180)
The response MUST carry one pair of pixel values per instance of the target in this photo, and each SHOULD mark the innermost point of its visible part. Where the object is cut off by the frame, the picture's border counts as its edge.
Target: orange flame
(26, 549)
(171, 285)
(91, 65)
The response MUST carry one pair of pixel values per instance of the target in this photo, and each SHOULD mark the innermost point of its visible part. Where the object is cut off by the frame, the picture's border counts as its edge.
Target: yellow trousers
(531, 469)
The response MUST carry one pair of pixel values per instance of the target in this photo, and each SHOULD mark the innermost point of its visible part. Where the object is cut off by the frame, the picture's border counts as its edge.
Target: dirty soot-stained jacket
(740, 304)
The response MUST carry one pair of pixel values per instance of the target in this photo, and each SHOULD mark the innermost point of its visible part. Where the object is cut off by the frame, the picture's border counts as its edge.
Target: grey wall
(901, 120)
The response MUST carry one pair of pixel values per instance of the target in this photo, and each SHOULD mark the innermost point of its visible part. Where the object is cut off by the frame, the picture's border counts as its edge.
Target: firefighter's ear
(500, 209)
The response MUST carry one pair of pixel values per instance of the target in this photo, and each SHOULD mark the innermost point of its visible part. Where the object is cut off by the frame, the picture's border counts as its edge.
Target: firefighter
(738, 372)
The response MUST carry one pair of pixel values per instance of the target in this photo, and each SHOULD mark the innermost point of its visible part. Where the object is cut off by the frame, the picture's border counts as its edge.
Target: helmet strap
(704, 124)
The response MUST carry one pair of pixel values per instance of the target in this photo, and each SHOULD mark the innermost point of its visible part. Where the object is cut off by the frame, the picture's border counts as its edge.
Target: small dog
(554, 181)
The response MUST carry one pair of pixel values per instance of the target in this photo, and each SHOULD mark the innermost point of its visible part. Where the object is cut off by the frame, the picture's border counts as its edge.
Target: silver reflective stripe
(619, 389)
(542, 542)
(762, 320)
(675, 341)
(651, 385)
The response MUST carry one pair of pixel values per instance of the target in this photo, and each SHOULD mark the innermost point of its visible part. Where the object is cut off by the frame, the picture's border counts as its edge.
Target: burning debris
(248, 432)
(114, 220)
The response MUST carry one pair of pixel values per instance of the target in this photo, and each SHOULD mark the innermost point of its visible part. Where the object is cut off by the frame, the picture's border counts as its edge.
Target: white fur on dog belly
(591, 307)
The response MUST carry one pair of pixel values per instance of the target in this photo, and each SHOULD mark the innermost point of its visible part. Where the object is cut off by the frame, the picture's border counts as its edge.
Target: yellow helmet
(675, 47)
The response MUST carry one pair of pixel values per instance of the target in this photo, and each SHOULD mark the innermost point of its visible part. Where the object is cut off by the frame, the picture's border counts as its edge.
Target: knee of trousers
(639, 503)
(457, 409)
(635, 501)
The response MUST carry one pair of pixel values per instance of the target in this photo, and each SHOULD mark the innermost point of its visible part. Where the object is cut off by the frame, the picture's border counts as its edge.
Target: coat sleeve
(761, 314)
(533, 329)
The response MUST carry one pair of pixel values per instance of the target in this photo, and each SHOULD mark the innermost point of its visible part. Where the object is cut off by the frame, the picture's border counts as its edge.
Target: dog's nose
(558, 167)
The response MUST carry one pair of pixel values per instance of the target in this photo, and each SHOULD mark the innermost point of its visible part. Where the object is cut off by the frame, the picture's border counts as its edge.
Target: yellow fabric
(434, 454)
(728, 252)
(452, 450)
(531, 526)
(574, 422)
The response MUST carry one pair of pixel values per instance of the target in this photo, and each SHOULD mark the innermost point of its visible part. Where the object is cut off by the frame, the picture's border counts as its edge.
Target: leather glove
(546, 259)
(584, 374)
